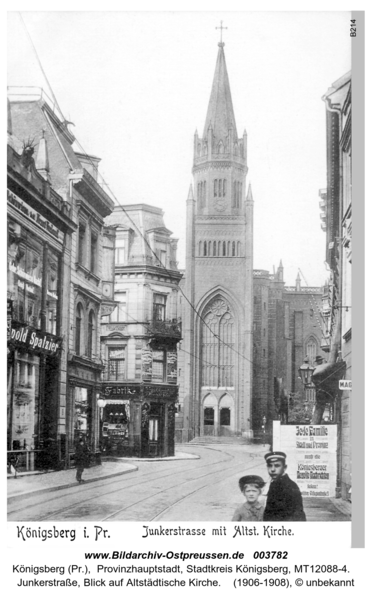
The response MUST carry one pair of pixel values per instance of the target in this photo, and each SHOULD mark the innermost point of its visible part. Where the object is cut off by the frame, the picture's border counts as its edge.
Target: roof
(220, 114)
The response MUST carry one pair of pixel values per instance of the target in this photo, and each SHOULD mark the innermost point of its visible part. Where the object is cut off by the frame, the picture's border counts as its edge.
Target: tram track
(169, 471)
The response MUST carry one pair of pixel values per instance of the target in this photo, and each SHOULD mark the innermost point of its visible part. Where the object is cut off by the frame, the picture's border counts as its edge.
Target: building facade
(217, 294)
(81, 275)
(287, 328)
(40, 227)
(336, 206)
(139, 395)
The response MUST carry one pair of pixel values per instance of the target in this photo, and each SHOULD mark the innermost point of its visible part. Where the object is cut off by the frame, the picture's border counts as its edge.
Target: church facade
(216, 294)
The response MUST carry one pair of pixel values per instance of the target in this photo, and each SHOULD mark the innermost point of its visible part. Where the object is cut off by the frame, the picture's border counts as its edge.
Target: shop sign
(344, 384)
(28, 338)
(165, 392)
(311, 456)
(33, 214)
(171, 366)
(119, 391)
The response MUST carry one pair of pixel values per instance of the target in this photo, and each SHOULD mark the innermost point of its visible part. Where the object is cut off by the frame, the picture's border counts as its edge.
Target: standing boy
(284, 500)
(252, 509)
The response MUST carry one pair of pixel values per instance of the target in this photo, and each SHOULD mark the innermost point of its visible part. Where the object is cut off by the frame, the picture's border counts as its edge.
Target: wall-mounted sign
(161, 391)
(33, 214)
(311, 456)
(9, 316)
(28, 338)
(344, 384)
(120, 391)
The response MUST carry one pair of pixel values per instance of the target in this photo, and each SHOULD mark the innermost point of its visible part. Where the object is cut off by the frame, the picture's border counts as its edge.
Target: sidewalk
(35, 482)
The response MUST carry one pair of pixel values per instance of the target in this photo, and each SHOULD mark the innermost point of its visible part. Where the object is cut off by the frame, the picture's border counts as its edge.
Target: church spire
(220, 114)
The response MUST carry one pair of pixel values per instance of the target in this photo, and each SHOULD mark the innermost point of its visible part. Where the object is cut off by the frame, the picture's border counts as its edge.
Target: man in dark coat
(81, 458)
(284, 500)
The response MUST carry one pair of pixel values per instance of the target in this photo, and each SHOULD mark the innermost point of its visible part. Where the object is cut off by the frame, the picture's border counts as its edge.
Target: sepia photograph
(179, 266)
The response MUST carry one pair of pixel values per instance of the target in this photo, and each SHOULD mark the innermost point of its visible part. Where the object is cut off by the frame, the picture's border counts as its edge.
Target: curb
(55, 488)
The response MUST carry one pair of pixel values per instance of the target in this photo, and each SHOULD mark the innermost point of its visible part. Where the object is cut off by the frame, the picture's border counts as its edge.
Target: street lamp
(101, 403)
(306, 373)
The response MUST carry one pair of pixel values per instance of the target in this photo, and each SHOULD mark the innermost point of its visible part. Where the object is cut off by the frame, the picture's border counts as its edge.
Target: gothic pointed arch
(218, 332)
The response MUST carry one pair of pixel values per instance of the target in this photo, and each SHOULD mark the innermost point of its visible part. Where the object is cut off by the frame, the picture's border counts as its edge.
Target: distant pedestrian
(81, 459)
(253, 508)
(284, 500)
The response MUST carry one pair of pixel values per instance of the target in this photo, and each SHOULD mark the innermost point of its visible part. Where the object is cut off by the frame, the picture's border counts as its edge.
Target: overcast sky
(137, 85)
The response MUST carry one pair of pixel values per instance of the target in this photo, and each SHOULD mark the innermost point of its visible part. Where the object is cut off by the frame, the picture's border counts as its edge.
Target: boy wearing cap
(284, 500)
(252, 509)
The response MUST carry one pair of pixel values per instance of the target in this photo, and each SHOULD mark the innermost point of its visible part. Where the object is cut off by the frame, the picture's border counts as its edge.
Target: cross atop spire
(221, 28)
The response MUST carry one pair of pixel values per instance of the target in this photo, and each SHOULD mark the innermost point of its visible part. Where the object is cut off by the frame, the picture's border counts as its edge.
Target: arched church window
(224, 187)
(220, 147)
(214, 249)
(219, 249)
(209, 248)
(205, 248)
(228, 249)
(223, 248)
(238, 249)
(311, 350)
(233, 249)
(218, 339)
(215, 190)
(220, 188)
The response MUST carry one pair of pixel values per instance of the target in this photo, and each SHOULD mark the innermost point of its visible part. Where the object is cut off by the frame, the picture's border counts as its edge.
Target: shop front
(137, 419)
(83, 414)
(32, 397)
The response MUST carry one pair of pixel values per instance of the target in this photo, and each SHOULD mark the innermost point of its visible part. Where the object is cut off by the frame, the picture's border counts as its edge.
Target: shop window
(93, 252)
(91, 330)
(79, 329)
(158, 366)
(159, 307)
(116, 363)
(25, 272)
(81, 243)
(24, 424)
(120, 249)
(153, 430)
(82, 414)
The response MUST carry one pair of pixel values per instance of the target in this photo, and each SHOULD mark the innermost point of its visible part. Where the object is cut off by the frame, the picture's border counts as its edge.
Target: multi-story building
(336, 217)
(82, 274)
(217, 295)
(139, 338)
(40, 227)
(287, 328)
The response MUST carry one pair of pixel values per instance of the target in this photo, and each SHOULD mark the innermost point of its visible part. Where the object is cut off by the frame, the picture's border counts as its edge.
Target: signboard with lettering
(146, 364)
(9, 315)
(311, 456)
(113, 390)
(28, 338)
(344, 384)
(25, 209)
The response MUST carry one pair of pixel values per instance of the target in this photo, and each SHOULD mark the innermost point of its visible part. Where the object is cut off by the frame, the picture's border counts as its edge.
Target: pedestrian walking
(253, 508)
(284, 500)
(81, 459)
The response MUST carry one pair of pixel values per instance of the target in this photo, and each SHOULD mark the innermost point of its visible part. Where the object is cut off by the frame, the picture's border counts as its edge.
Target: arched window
(219, 249)
(220, 188)
(233, 249)
(91, 329)
(224, 187)
(209, 249)
(223, 248)
(218, 338)
(311, 350)
(79, 319)
(238, 249)
(215, 189)
(205, 248)
(214, 249)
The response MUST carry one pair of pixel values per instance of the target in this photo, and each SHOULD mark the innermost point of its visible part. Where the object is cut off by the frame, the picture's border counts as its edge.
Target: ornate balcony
(165, 331)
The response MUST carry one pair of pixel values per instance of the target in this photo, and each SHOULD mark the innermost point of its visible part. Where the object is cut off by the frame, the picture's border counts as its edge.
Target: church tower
(217, 323)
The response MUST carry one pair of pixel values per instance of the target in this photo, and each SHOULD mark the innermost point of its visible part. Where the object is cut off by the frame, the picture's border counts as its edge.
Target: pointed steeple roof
(191, 193)
(249, 194)
(220, 113)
